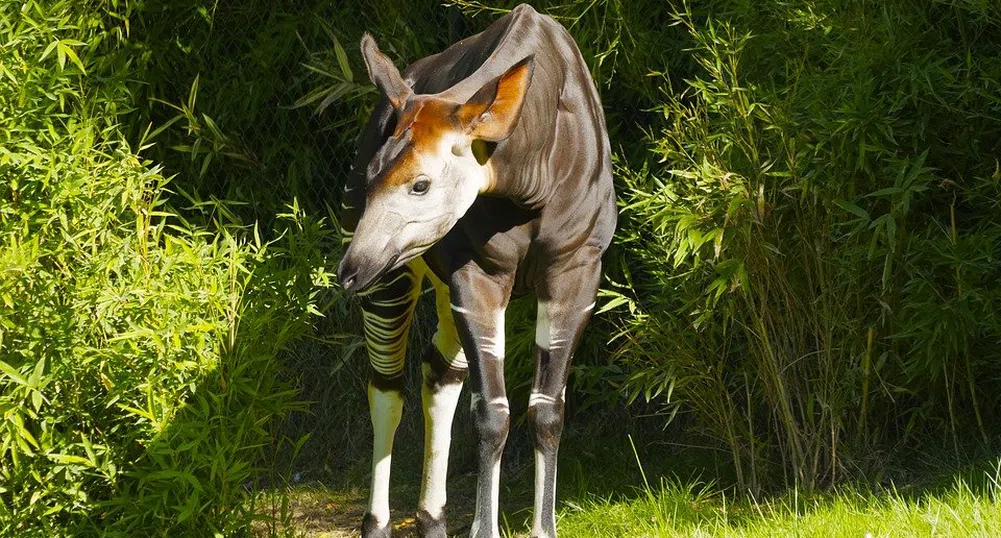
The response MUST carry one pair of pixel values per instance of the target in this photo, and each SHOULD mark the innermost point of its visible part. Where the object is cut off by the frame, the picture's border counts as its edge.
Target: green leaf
(13, 374)
(48, 50)
(891, 233)
(67, 52)
(68, 458)
(342, 60)
(614, 303)
(853, 209)
(36, 374)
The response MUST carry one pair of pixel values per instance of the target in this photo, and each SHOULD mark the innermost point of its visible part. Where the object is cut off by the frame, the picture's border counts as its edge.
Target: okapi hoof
(370, 528)
(429, 527)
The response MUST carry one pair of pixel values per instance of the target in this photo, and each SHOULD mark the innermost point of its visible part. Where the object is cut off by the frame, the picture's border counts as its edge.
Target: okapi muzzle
(430, 170)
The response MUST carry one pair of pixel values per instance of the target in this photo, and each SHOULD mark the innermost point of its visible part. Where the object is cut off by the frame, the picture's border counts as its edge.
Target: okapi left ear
(493, 111)
(383, 73)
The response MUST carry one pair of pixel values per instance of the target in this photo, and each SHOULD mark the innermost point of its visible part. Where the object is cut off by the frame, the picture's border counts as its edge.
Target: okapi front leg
(387, 311)
(478, 303)
(560, 322)
(444, 369)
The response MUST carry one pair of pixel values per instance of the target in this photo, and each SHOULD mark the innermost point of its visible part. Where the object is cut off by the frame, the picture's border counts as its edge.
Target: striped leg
(478, 305)
(561, 319)
(444, 369)
(387, 310)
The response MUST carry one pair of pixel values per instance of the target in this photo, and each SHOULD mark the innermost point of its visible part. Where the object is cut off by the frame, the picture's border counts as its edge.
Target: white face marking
(454, 181)
(400, 220)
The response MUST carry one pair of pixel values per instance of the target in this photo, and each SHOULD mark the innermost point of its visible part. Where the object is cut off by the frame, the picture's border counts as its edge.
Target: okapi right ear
(492, 113)
(383, 73)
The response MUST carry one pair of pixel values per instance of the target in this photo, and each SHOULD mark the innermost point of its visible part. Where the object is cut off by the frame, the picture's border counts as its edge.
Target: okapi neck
(528, 187)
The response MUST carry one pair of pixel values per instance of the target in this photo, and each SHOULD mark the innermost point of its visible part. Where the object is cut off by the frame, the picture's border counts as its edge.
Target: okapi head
(430, 170)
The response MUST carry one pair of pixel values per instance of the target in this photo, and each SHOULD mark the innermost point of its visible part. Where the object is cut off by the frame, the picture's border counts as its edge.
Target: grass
(604, 492)
(693, 510)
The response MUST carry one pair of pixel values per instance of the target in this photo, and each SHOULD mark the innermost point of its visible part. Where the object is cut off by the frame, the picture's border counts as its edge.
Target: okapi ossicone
(486, 169)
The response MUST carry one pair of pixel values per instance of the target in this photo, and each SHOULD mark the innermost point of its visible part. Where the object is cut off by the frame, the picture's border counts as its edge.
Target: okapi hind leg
(562, 316)
(387, 311)
(479, 304)
(444, 368)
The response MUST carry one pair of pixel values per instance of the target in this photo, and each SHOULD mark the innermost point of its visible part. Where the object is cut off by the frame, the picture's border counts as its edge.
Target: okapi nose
(347, 273)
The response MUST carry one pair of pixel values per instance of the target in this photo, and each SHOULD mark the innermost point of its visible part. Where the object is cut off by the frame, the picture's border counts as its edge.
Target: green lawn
(602, 493)
(674, 511)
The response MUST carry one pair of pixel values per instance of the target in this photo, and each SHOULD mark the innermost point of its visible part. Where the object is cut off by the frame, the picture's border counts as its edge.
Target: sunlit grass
(673, 509)
(968, 507)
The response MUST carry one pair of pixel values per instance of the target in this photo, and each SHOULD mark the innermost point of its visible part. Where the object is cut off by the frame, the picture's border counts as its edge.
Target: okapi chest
(485, 169)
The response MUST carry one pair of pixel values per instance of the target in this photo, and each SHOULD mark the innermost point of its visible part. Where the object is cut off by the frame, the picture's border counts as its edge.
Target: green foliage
(818, 282)
(138, 370)
(804, 263)
(670, 509)
(805, 270)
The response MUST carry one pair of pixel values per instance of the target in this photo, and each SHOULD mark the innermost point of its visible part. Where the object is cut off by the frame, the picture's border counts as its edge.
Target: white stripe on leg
(439, 408)
(544, 505)
(475, 531)
(386, 408)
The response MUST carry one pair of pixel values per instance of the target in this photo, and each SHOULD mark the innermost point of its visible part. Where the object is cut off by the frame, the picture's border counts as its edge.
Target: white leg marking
(495, 498)
(474, 399)
(439, 409)
(450, 348)
(500, 402)
(540, 500)
(475, 531)
(542, 326)
(386, 408)
(493, 344)
(538, 398)
(459, 309)
(589, 307)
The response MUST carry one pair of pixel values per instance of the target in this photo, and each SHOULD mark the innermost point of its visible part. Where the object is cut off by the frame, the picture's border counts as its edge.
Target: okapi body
(486, 169)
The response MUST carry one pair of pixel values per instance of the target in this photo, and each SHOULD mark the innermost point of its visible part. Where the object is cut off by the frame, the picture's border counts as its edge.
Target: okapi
(486, 169)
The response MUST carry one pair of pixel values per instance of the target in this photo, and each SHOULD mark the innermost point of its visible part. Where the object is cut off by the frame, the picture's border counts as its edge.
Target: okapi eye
(421, 186)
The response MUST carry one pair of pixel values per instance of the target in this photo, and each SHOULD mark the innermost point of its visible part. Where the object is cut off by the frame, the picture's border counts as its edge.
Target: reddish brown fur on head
(426, 175)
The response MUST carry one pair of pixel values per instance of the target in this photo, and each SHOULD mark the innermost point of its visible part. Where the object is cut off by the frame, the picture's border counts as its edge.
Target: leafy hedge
(811, 258)
(805, 270)
(138, 369)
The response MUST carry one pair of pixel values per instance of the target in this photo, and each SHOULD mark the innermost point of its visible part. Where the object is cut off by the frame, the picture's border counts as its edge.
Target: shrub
(817, 286)
(138, 369)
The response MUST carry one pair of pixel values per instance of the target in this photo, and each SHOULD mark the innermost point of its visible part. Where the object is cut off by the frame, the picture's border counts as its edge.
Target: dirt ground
(322, 512)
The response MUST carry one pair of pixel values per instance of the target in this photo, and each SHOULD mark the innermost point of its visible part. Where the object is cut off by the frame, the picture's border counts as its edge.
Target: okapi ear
(383, 73)
(493, 111)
